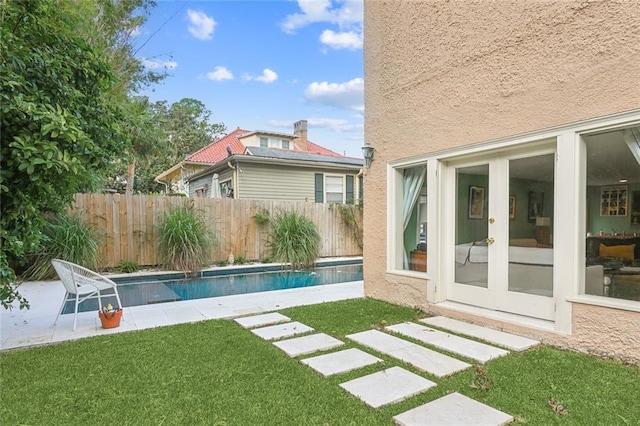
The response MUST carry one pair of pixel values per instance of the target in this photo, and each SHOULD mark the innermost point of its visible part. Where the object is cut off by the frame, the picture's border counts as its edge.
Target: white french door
(501, 234)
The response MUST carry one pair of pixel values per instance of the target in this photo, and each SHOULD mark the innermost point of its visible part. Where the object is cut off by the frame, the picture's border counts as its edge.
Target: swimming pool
(144, 290)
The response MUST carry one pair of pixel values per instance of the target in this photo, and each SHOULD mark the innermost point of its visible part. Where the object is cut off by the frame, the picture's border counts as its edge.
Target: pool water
(151, 290)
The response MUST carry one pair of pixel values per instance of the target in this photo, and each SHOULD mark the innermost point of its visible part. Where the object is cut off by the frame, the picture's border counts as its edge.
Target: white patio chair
(82, 284)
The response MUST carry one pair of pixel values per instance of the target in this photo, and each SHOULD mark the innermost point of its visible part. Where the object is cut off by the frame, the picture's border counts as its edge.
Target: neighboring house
(278, 166)
(512, 195)
(175, 178)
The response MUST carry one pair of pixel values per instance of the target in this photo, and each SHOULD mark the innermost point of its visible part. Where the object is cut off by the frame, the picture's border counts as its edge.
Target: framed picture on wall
(476, 202)
(613, 200)
(512, 207)
(536, 205)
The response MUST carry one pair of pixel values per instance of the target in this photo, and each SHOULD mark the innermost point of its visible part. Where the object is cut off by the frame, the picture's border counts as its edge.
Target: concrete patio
(35, 326)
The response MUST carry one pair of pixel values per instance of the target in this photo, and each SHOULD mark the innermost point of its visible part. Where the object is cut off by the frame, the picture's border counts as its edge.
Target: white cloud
(334, 124)
(136, 31)
(345, 40)
(268, 76)
(220, 74)
(349, 95)
(154, 65)
(201, 25)
(346, 13)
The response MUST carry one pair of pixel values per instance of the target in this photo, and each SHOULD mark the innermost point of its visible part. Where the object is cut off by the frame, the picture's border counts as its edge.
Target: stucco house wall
(442, 74)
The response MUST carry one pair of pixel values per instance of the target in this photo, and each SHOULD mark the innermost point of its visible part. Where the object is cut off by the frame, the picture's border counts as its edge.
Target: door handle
(492, 220)
(490, 240)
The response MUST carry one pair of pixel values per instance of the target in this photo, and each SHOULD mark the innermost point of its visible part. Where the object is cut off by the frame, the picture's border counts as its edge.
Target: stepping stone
(453, 409)
(308, 344)
(456, 344)
(262, 320)
(424, 359)
(394, 384)
(508, 340)
(281, 330)
(341, 361)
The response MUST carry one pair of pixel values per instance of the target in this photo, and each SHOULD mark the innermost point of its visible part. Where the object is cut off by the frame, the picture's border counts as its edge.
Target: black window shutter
(349, 189)
(319, 188)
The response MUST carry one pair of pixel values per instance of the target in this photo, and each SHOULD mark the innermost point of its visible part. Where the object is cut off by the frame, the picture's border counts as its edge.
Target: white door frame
(496, 296)
(568, 230)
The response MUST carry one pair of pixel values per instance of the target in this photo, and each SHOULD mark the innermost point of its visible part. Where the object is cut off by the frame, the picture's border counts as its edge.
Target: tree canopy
(66, 72)
(184, 127)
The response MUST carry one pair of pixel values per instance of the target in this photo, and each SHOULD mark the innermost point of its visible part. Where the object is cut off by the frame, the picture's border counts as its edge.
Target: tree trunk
(131, 174)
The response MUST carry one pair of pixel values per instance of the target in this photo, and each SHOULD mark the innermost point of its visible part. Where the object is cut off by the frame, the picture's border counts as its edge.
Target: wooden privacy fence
(130, 225)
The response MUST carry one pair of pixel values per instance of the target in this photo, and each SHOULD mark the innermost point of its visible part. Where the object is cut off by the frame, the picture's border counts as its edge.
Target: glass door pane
(471, 229)
(531, 196)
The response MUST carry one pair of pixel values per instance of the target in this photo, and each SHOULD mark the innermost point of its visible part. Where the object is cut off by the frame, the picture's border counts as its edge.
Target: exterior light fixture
(368, 153)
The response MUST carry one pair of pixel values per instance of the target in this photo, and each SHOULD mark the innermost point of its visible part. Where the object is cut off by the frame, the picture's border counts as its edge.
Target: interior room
(613, 212)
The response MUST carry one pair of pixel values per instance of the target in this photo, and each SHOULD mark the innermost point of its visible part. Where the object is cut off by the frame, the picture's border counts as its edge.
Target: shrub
(293, 239)
(127, 266)
(65, 237)
(262, 217)
(185, 239)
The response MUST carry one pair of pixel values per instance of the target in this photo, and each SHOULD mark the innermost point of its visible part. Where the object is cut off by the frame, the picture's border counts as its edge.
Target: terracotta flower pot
(110, 319)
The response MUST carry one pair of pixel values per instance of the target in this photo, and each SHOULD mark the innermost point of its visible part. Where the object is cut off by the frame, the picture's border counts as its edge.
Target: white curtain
(411, 186)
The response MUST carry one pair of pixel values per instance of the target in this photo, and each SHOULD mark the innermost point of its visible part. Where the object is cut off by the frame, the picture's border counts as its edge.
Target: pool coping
(143, 276)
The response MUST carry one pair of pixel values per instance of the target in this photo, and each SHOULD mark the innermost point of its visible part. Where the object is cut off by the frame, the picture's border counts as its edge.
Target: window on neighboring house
(226, 189)
(412, 218)
(274, 143)
(334, 188)
(200, 192)
(264, 142)
(285, 144)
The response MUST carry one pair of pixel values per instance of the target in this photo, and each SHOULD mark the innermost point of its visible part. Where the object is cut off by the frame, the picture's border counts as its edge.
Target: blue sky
(262, 65)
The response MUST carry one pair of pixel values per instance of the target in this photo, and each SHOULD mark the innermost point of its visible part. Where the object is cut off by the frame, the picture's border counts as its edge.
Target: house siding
(276, 182)
(200, 182)
(441, 75)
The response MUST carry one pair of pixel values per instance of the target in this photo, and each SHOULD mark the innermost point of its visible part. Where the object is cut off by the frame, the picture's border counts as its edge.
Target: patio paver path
(449, 342)
(396, 384)
(262, 320)
(422, 358)
(308, 344)
(281, 330)
(507, 340)
(453, 409)
(341, 361)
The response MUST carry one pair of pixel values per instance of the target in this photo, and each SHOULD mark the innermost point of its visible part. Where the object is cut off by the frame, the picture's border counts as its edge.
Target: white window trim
(571, 168)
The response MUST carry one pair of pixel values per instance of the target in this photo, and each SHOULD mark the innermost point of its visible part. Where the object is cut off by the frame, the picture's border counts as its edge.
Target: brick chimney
(300, 130)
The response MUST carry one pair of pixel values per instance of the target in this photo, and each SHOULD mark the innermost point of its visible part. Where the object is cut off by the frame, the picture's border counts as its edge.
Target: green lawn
(216, 373)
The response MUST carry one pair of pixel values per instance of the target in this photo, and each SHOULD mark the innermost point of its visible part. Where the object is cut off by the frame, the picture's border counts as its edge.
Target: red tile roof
(317, 149)
(217, 150)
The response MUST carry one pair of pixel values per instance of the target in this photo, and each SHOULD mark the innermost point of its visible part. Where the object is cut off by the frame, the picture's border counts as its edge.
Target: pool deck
(35, 326)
